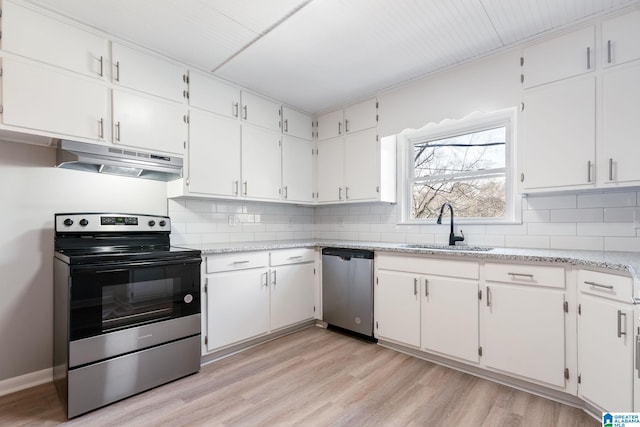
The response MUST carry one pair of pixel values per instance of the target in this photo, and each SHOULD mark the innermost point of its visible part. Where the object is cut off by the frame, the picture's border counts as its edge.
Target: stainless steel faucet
(452, 237)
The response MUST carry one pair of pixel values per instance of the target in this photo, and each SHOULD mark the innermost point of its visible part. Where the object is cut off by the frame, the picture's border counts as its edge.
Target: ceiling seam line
(264, 33)
(491, 22)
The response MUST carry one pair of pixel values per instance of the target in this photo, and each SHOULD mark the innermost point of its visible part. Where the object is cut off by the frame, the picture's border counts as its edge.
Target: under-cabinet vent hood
(118, 161)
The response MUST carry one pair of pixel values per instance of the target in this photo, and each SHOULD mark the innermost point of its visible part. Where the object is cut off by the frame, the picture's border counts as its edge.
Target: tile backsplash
(593, 221)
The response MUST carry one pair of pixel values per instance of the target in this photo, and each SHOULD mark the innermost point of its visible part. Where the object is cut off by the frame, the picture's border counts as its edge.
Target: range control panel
(105, 223)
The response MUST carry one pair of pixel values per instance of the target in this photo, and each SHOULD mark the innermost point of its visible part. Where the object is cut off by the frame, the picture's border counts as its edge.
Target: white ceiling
(320, 54)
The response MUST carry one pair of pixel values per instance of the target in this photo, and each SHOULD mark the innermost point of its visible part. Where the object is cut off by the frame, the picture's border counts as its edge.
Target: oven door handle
(129, 265)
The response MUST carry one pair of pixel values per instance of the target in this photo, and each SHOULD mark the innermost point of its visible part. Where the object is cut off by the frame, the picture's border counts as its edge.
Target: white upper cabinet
(561, 57)
(620, 37)
(214, 155)
(261, 163)
(362, 170)
(559, 135)
(297, 168)
(621, 125)
(261, 111)
(361, 116)
(210, 94)
(296, 124)
(148, 73)
(35, 96)
(148, 123)
(330, 170)
(34, 35)
(330, 125)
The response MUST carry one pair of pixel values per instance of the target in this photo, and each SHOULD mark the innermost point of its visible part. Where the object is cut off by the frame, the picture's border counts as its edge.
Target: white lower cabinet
(397, 307)
(252, 294)
(606, 341)
(523, 322)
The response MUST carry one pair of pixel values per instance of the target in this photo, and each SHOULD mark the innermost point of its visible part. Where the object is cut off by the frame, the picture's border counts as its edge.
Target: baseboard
(32, 379)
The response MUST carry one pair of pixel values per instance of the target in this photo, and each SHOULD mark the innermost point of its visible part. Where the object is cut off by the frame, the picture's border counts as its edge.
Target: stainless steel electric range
(126, 308)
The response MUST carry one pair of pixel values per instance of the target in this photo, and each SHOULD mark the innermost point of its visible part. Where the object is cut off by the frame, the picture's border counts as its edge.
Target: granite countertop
(623, 261)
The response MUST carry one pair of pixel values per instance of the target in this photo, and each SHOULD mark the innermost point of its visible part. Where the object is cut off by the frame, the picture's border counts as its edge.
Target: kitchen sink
(447, 247)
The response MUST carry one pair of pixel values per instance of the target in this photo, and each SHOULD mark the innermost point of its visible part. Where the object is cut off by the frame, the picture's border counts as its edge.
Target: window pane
(476, 151)
(473, 198)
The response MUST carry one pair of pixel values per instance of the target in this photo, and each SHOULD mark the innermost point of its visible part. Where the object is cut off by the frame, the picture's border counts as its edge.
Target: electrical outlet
(233, 221)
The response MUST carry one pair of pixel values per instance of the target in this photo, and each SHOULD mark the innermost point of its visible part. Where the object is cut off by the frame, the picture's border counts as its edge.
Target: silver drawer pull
(620, 314)
(598, 285)
(295, 257)
(527, 275)
(241, 262)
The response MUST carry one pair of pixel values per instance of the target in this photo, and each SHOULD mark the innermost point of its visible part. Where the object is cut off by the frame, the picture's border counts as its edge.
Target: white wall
(31, 191)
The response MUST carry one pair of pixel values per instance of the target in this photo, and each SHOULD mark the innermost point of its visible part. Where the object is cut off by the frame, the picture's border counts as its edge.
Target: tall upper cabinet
(580, 108)
(53, 75)
(353, 164)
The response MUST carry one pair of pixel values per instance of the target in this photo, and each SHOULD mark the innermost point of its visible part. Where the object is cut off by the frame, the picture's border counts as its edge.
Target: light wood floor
(314, 377)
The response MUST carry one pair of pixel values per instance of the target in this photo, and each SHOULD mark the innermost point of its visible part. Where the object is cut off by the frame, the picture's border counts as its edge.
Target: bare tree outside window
(466, 170)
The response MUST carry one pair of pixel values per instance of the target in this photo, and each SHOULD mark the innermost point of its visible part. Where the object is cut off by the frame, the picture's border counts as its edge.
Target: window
(467, 163)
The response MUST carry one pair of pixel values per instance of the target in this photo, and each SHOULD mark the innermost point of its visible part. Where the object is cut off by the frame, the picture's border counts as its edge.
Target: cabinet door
(621, 125)
(397, 307)
(450, 317)
(50, 100)
(361, 165)
(330, 169)
(261, 163)
(292, 296)
(260, 111)
(330, 125)
(559, 135)
(561, 57)
(31, 34)
(363, 115)
(213, 95)
(296, 124)
(148, 123)
(524, 332)
(620, 37)
(238, 306)
(147, 73)
(297, 170)
(214, 154)
(605, 354)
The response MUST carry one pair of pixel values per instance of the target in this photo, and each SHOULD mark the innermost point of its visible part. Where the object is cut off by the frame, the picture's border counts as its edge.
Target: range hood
(117, 161)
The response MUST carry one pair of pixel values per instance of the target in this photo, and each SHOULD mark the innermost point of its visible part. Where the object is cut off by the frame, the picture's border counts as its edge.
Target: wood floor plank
(313, 377)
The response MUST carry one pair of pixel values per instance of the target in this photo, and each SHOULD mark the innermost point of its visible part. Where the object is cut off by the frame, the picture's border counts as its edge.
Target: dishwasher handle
(347, 254)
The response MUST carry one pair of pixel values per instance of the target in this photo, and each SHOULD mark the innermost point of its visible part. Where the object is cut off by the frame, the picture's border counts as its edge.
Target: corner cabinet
(606, 341)
(253, 294)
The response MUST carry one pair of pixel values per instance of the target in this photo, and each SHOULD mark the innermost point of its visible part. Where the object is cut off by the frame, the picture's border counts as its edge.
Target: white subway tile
(616, 229)
(197, 205)
(551, 229)
(577, 243)
(605, 200)
(348, 235)
(631, 244)
(538, 215)
(368, 237)
(359, 210)
(551, 202)
(541, 242)
(425, 238)
(393, 237)
(253, 228)
(213, 238)
(303, 235)
(241, 237)
(485, 240)
(620, 214)
(507, 229)
(577, 215)
(186, 239)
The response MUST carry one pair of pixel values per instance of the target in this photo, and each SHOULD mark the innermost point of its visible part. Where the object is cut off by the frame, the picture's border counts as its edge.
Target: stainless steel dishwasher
(347, 290)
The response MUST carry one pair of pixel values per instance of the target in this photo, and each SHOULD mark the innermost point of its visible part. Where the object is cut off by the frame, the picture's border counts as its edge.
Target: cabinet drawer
(423, 265)
(292, 256)
(526, 274)
(619, 288)
(236, 261)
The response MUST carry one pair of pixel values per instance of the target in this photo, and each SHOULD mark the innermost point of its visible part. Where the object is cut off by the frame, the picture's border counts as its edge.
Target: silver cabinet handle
(527, 275)
(117, 76)
(598, 285)
(286, 191)
(426, 288)
(236, 187)
(244, 112)
(266, 279)
(620, 314)
(589, 171)
(339, 128)
(241, 262)
(117, 131)
(339, 193)
(235, 109)
(295, 257)
(245, 188)
(609, 51)
(488, 296)
(610, 169)
(588, 58)
(346, 193)
(101, 128)
(101, 66)
(274, 278)
(415, 286)
(346, 125)
(286, 125)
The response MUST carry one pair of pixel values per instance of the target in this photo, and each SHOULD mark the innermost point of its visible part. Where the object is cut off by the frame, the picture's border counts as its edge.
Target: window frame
(447, 128)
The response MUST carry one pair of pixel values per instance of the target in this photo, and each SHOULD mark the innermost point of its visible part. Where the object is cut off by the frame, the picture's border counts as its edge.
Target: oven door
(107, 298)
